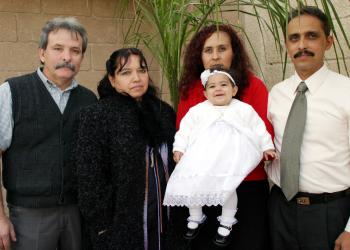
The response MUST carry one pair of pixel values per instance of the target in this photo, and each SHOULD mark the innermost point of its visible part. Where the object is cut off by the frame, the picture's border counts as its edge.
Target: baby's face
(219, 90)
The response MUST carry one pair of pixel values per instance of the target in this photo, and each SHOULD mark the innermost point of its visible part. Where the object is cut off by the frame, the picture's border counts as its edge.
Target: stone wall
(21, 22)
(269, 58)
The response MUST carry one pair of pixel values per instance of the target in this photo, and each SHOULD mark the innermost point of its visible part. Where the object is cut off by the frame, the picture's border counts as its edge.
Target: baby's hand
(270, 155)
(177, 156)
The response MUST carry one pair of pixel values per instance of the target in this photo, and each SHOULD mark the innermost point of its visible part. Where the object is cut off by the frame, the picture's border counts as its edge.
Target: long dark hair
(193, 65)
(117, 60)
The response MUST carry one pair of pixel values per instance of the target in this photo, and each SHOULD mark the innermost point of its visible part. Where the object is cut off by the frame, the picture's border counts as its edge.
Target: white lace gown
(214, 164)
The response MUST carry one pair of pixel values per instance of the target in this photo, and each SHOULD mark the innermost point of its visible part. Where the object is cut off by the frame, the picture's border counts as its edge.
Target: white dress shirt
(325, 150)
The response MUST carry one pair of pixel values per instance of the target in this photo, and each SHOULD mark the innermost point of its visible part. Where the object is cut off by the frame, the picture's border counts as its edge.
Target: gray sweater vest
(38, 165)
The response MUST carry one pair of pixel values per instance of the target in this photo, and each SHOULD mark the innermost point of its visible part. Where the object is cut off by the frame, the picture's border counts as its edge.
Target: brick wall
(21, 22)
(269, 58)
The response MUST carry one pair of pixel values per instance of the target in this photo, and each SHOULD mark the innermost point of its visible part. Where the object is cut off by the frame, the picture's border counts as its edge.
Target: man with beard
(310, 112)
(37, 122)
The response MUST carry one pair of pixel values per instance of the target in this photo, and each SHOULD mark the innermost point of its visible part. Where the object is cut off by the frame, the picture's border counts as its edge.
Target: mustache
(302, 52)
(65, 65)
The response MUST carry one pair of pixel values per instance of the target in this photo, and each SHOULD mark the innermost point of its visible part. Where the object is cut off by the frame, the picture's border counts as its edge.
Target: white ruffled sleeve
(182, 136)
(259, 128)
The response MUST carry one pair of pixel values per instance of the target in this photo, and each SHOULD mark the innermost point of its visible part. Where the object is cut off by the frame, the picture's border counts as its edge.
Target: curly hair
(193, 65)
(117, 60)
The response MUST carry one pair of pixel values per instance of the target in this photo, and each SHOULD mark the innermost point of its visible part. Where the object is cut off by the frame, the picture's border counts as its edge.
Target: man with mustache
(37, 122)
(312, 210)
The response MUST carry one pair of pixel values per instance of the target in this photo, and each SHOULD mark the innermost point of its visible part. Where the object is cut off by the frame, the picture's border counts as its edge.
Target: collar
(50, 84)
(208, 103)
(314, 81)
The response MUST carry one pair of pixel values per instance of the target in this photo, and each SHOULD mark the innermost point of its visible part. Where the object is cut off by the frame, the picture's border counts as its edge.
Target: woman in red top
(220, 46)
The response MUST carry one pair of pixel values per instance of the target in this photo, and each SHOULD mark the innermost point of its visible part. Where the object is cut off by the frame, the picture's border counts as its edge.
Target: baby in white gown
(220, 141)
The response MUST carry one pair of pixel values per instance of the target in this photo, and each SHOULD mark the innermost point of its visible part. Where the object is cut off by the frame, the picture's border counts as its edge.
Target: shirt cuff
(347, 228)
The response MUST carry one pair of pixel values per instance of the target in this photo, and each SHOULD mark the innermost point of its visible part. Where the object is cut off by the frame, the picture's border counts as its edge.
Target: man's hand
(7, 233)
(343, 241)
(177, 156)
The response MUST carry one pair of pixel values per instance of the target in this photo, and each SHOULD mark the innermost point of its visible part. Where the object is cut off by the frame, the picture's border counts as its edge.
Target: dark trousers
(251, 231)
(56, 228)
(306, 227)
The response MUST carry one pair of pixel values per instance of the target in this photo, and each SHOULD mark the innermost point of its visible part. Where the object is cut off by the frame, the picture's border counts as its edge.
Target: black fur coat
(110, 158)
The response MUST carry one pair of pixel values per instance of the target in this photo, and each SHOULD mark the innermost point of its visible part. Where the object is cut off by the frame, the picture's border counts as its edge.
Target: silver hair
(68, 23)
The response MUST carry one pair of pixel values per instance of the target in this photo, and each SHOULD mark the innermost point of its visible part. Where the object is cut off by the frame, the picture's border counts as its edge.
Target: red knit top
(256, 94)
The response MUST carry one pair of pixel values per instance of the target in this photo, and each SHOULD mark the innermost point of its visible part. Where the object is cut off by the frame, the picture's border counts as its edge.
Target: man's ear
(330, 40)
(41, 53)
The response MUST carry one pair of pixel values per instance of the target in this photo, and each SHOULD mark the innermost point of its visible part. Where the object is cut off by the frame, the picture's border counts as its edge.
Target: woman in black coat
(124, 160)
